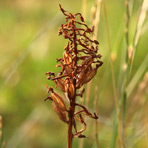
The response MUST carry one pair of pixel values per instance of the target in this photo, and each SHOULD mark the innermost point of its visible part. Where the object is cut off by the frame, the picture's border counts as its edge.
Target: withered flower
(79, 65)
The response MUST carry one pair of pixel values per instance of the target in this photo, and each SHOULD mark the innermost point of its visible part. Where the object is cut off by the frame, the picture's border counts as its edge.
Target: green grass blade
(115, 132)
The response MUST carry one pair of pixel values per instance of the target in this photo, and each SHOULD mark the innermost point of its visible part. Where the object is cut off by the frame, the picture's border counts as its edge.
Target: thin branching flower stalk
(79, 65)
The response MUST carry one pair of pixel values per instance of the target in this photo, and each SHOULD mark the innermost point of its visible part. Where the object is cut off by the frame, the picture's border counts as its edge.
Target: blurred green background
(29, 46)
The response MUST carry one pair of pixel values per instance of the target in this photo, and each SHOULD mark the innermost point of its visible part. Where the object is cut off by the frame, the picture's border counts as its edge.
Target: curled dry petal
(85, 110)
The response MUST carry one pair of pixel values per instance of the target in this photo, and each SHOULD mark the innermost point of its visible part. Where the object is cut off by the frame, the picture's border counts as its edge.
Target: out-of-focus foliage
(29, 46)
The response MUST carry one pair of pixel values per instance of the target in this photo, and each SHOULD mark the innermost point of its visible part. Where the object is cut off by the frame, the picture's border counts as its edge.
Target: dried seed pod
(60, 113)
(70, 89)
(88, 61)
(61, 84)
(90, 75)
(81, 77)
(59, 101)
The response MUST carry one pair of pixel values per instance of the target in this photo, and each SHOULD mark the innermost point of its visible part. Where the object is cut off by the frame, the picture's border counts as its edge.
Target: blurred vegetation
(29, 46)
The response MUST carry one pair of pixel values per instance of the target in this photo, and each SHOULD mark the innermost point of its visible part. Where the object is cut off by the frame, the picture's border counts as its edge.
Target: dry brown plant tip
(79, 65)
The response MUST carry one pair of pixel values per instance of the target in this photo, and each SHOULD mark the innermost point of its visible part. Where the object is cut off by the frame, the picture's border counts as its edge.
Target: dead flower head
(79, 65)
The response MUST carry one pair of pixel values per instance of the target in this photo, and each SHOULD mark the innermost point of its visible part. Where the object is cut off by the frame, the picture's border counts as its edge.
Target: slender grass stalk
(122, 91)
(95, 12)
(145, 28)
(130, 52)
(127, 26)
(137, 76)
(146, 131)
(132, 49)
(139, 26)
(111, 63)
(123, 96)
(96, 24)
(115, 132)
(119, 125)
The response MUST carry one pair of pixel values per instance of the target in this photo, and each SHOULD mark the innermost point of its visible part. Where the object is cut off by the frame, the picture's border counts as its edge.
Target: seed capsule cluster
(79, 65)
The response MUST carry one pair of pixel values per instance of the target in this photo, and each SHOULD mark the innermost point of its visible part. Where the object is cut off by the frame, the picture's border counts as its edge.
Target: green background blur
(29, 46)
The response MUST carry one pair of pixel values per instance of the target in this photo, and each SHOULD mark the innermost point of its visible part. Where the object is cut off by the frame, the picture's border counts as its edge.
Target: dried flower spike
(79, 65)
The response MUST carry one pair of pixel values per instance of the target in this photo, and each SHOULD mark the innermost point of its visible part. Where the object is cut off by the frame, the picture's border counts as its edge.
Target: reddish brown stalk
(77, 69)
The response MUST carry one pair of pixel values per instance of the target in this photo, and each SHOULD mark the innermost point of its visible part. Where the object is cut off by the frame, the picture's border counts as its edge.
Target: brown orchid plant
(79, 65)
